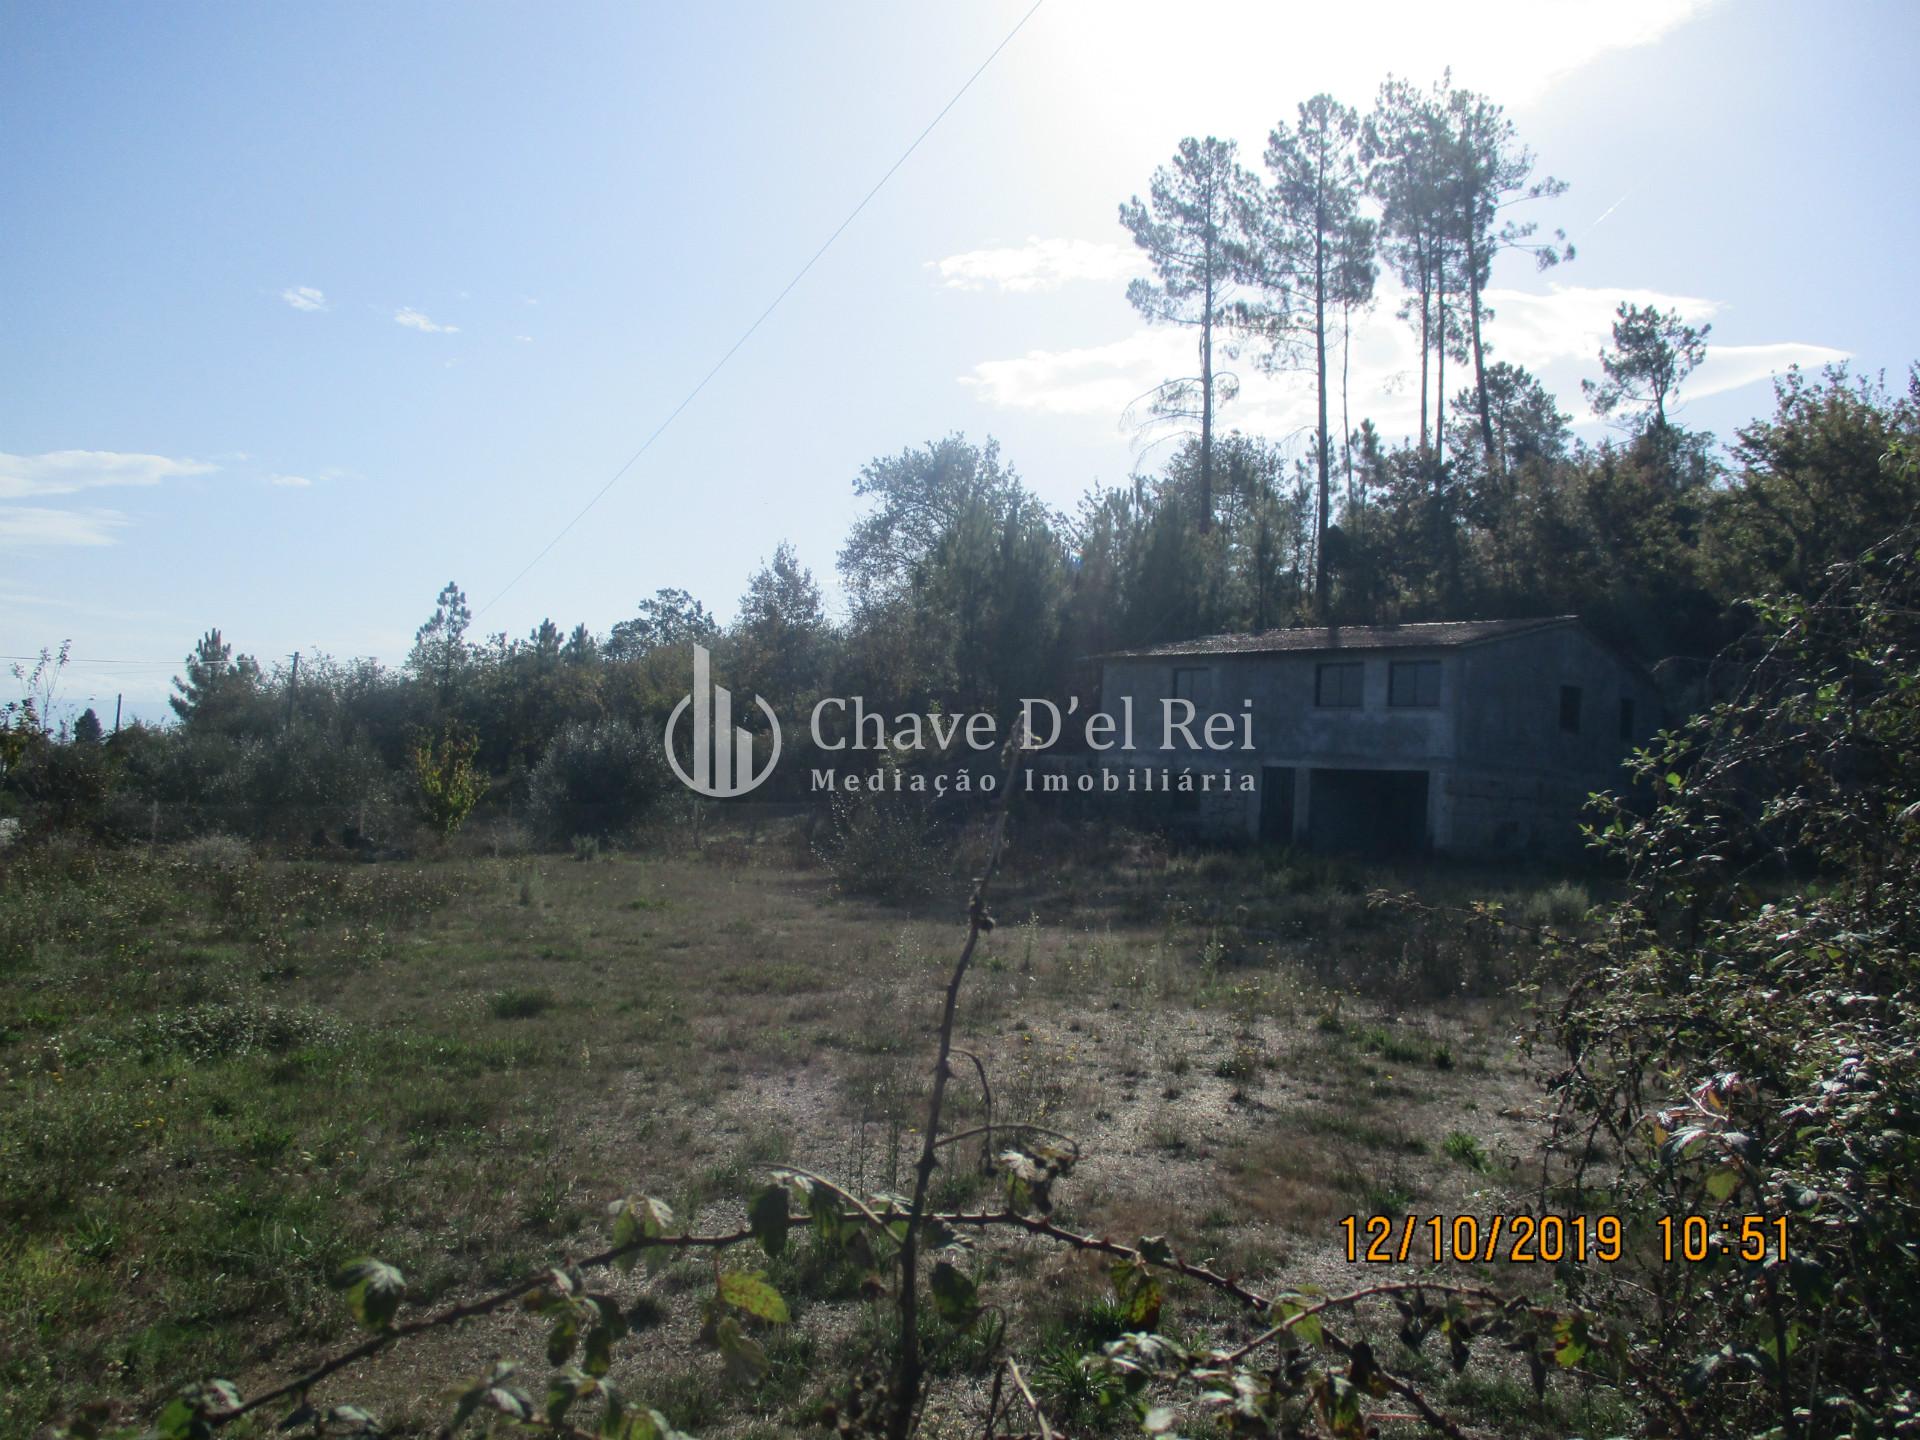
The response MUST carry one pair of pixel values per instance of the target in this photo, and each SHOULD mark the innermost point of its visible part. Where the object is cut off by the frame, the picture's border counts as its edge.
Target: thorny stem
(469, 1310)
(1026, 1394)
(986, 1092)
(456, 1314)
(813, 1177)
(1405, 1389)
(907, 1373)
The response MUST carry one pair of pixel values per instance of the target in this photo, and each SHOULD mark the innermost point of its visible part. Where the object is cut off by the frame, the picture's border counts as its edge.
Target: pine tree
(1192, 227)
(1313, 257)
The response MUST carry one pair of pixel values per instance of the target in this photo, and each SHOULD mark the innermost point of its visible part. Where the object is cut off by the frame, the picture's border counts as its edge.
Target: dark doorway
(1373, 812)
(1276, 805)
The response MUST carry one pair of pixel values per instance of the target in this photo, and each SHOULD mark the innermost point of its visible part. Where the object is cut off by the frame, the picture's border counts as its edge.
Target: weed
(520, 1004)
(1464, 1148)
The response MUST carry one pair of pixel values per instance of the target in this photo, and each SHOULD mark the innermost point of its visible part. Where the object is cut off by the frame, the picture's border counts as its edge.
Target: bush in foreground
(599, 778)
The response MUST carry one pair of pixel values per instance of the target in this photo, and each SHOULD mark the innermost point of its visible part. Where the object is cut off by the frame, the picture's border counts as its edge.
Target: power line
(78, 660)
(748, 333)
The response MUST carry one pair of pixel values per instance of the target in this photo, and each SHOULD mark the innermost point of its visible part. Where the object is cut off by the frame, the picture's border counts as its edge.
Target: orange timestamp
(1519, 1239)
(1551, 1239)
(1752, 1238)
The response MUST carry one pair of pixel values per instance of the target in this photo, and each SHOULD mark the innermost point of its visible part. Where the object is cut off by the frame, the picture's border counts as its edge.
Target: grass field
(221, 1076)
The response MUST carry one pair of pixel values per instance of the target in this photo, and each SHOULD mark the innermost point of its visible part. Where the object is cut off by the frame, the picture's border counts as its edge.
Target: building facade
(1456, 737)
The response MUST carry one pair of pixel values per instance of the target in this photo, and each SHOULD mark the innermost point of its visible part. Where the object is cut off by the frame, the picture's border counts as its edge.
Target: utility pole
(116, 712)
(293, 679)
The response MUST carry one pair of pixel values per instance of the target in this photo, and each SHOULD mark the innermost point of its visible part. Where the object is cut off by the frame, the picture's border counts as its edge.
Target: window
(1570, 709)
(1338, 686)
(1626, 719)
(1189, 684)
(1413, 683)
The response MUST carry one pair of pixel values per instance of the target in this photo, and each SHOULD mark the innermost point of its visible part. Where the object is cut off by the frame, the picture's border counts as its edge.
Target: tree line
(964, 590)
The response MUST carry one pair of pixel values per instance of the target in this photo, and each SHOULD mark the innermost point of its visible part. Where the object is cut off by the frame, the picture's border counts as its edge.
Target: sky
(309, 310)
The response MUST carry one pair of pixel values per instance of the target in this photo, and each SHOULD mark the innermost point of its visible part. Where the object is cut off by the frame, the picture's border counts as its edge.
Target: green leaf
(1569, 1341)
(1722, 1183)
(373, 1291)
(1155, 1250)
(644, 1218)
(1678, 1143)
(745, 1360)
(509, 1400)
(598, 1358)
(562, 1391)
(1138, 1292)
(640, 1425)
(180, 1420)
(767, 1217)
(1340, 1407)
(565, 1335)
(955, 1296)
(751, 1292)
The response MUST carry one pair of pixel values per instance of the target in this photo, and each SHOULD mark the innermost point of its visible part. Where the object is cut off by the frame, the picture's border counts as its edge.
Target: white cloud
(1728, 367)
(1557, 334)
(1090, 380)
(289, 482)
(1535, 328)
(1038, 265)
(64, 472)
(524, 339)
(23, 525)
(406, 315)
(304, 297)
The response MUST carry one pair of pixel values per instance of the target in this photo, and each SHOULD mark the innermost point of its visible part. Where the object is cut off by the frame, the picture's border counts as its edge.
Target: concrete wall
(1289, 728)
(1521, 779)
(1503, 775)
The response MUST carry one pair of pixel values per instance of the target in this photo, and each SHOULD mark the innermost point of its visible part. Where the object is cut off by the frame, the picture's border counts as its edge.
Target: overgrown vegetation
(239, 1072)
(228, 1075)
(1738, 1052)
(923, 1268)
(1743, 1041)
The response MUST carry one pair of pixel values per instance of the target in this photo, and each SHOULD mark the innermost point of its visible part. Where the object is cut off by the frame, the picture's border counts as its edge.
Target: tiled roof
(1309, 639)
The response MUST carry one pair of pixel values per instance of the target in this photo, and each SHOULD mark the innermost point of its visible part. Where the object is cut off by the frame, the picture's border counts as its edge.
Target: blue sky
(309, 309)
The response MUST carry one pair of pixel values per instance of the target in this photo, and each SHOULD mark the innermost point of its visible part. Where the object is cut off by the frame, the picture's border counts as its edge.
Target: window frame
(1572, 702)
(1355, 669)
(1417, 670)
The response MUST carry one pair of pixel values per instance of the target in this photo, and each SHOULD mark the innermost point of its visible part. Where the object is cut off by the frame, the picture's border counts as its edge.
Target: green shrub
(1747, 1057)
(598, 779)
(886, 847)
(520, 1004)
(1564, 905)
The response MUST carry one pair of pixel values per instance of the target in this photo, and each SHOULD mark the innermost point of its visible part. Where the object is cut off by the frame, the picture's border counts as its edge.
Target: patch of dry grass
(528, 1037)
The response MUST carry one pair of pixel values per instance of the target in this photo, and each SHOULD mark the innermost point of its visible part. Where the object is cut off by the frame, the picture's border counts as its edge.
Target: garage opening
(1369, 812)
(1276, 804)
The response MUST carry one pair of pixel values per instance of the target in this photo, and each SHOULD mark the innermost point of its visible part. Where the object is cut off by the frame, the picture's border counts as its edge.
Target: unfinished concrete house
(1457, 737)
